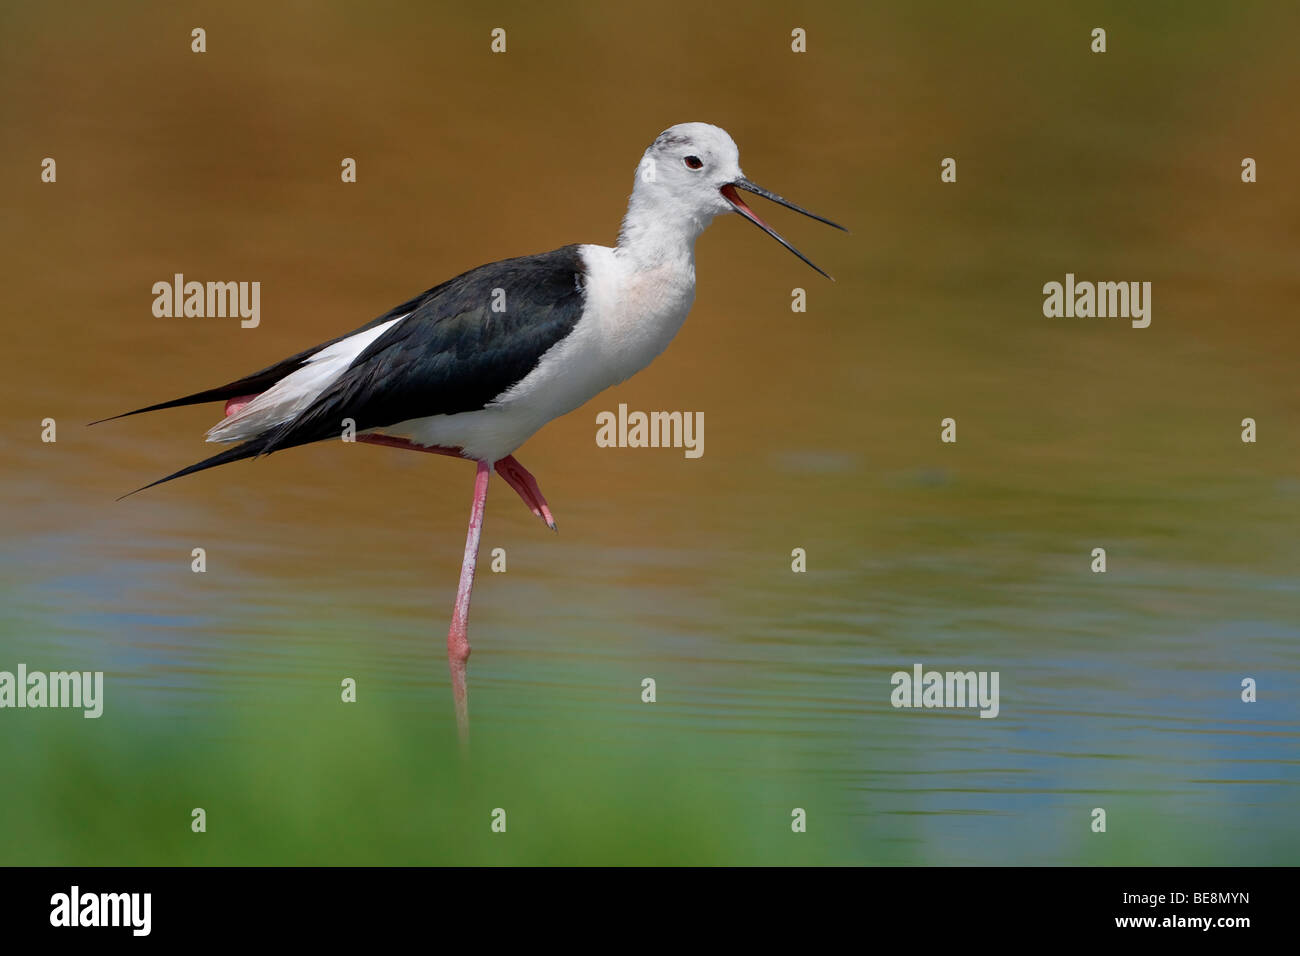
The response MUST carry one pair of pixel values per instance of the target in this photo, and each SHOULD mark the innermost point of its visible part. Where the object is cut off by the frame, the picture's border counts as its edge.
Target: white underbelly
(569, 375)
(488, 434)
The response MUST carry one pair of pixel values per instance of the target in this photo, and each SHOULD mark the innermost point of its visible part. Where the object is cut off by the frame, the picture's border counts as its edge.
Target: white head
(682, 173)
(688, 175)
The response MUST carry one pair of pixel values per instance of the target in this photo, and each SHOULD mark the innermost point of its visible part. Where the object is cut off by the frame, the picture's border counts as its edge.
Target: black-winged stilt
(473, 367)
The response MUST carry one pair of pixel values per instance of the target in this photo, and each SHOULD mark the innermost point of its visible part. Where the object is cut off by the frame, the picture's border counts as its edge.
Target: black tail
(260, 381)
(249, 449)
(252, 385)
(211, 395)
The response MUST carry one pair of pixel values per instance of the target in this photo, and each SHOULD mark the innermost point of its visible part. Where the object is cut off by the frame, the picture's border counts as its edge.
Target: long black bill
(729, 193)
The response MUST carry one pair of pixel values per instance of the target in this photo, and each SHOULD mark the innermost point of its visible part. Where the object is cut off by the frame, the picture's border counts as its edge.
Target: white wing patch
(289, 396)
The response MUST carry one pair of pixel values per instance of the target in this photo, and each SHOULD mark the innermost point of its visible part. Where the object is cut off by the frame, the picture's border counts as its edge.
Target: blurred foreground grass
(308, 780)
(299, 778)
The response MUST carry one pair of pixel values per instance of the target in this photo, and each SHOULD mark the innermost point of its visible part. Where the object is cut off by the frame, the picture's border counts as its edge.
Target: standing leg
(458, 634)
(525, 485)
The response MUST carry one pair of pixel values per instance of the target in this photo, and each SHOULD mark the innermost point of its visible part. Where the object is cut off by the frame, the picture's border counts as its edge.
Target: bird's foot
(525, 485)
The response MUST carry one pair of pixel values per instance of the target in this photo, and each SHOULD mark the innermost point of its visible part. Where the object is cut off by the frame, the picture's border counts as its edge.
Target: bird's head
(690, 174)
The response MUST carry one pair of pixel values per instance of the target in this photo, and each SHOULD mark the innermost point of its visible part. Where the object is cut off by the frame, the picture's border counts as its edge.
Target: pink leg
(392, 442)
(516, 475)
(525, 485)
(458, 634)
(522, 480)
(235, 404)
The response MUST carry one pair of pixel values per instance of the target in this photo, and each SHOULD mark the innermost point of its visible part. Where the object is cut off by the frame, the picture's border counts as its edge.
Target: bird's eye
(693, 162)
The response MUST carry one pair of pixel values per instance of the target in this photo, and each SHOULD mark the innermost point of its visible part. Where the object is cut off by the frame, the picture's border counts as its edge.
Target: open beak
(729, 193)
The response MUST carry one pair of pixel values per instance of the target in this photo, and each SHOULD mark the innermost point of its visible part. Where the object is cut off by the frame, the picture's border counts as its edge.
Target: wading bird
(473, 367)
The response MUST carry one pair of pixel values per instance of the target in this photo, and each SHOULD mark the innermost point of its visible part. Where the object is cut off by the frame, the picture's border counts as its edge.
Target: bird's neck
(651, 238)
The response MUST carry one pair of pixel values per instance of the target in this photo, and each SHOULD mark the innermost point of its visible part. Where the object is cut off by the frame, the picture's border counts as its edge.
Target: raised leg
(522, 480)
(516, 475)
(392, 442)
(235, 404)
(458, 634)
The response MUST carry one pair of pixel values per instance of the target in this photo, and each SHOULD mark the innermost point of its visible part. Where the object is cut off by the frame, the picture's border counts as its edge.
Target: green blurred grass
(304, 779)
(308, 780)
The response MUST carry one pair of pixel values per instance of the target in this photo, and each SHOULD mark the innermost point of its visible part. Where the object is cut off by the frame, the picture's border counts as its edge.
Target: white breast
(629, 318)
(631, 313)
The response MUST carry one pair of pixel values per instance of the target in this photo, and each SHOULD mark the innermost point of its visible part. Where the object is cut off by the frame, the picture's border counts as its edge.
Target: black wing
(453, 353)
(260, 381)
